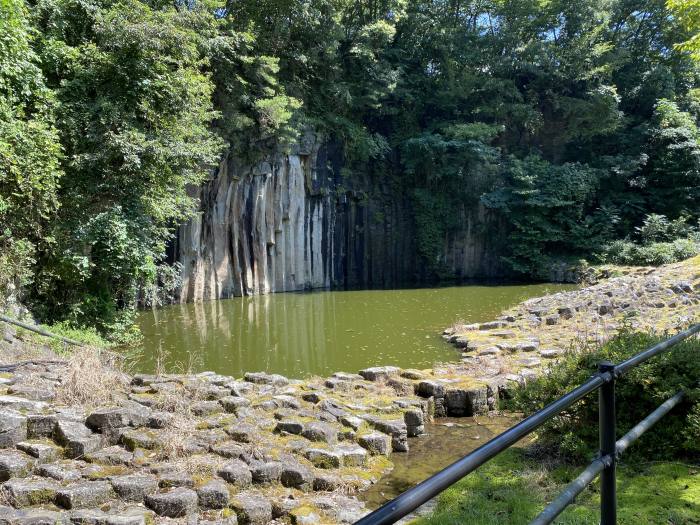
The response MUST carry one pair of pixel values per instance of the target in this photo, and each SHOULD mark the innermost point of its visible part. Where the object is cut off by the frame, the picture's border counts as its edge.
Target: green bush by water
(574, 433)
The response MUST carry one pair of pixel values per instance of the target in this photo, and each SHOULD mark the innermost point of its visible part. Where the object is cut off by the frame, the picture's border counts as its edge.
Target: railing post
(607, 431)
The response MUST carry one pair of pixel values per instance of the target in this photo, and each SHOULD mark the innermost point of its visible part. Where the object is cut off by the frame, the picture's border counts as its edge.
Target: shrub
(661, 241)
(574, 433)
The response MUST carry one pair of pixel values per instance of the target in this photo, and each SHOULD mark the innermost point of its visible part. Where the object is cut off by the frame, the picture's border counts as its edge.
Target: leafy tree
(135, 107)
(29, 150)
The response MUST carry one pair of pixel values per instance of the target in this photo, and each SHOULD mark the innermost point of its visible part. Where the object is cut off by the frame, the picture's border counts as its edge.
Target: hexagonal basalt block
(174, 503)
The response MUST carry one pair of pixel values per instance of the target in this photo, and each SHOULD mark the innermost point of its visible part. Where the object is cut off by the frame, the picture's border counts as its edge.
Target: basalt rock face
(292, 222)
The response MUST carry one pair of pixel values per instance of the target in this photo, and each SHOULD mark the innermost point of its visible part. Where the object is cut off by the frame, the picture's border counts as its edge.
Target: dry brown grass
(176, 436)
(92, 378)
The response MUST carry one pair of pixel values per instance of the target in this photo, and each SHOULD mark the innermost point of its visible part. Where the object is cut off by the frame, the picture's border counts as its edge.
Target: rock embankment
(210, 447)
(525, 338)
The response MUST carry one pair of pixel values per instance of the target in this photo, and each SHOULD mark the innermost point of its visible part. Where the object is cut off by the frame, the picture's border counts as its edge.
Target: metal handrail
(39, 330)
(416, 496)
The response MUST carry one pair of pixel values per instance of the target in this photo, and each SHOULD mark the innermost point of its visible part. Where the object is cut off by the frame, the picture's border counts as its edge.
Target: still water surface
(318, 333)
(444, 442)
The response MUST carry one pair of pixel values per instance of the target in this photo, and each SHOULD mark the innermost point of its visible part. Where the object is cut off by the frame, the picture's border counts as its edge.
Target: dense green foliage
(571, 120)
(574, 433)
(29, 150)
(657, 241)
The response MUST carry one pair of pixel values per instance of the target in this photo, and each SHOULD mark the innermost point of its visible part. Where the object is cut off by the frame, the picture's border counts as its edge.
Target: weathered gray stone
(490, 350)
(492, 325)
(466, 401)
(84, 494)
(266, 472)
(414, 430)
(312, 397)
(175, 478)
(412, 374)
(114, 455)
(206, 408)
(41, 426)
(530, 361)
(88, 517)
(528, 346)
(13, 428)
(159, 419)
(251, 509)
(296, 475)
(551, 353)
(322, 458)
(324, 482)
(130, 516)
(266, 379)
(353, 455)
(36, 516)
(289, 426)
(29, 491)
(353, 422)
(109, 418)
(134, 487)
(58, 471)
(42, 451)
(173, 503)
(377, 373)
(213, 495)
(566, 312)
(322, 432)
(376, 443)
(552, 320)
(503, 334)
(430, 388)
(237, 473)
(413, 417)
(285, 401)
(228, 449)
(242, 433)
(233, 404)
(14, 464)
(214, 392)
(76, 438)
(134, 438)
(22, 403)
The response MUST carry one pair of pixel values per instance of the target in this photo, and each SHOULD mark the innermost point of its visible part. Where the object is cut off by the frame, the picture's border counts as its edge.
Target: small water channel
(318, 333)
(445, 441)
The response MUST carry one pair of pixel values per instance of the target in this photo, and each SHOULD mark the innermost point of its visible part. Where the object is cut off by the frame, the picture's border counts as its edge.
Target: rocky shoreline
(82, 442)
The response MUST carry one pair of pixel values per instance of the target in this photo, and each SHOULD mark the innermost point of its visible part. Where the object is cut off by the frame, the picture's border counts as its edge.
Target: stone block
(213, 495)
(13, 428)
(252, 509)
(134, 487)
(84, 494)
(237, 473)
(376, 443)
(173, 503)
(377, 373)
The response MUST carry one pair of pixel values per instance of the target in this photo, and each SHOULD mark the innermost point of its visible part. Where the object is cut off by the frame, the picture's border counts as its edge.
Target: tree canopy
(575, 121)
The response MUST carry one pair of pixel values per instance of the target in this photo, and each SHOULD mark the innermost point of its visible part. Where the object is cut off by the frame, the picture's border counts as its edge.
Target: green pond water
(318, 333)
(444, 442)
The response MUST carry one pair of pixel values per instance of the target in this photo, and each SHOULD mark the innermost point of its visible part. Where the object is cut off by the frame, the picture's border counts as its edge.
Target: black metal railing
(604, 382)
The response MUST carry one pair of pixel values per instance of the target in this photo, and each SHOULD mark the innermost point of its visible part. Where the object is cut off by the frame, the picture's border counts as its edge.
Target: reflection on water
(297, 334)
(445, 441)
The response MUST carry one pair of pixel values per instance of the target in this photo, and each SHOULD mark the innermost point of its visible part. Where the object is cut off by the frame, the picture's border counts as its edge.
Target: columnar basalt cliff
(293, 222)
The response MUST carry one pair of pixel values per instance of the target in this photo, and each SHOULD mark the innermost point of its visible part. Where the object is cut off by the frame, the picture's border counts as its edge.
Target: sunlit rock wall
(291, 222)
